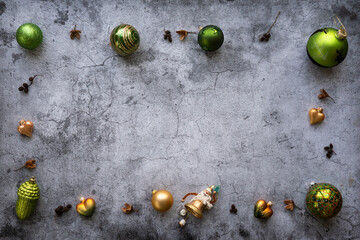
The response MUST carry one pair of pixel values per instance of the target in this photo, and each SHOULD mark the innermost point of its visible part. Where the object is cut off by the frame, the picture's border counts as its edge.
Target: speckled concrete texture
(174, 117)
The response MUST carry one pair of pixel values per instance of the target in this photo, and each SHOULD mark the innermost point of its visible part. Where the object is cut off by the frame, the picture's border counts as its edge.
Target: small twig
(266, 36)
(273, 23)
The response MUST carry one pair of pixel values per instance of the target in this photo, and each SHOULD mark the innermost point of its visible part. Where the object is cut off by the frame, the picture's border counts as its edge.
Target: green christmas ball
(29, 36)
(327, 47)
(210, 38)
(124, 39)
(323, 200)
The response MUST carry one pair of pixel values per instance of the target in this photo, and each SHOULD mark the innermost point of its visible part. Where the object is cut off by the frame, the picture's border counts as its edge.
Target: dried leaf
(182, 33)
(75, 33)
(289, 204)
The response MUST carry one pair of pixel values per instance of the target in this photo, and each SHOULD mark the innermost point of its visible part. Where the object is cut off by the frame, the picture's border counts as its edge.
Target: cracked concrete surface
(174, 117)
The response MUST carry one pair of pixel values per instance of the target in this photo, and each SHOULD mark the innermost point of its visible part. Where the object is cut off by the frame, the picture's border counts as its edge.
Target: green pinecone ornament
(28, 194)
(327, 47)
(124, 39)
(323, 200)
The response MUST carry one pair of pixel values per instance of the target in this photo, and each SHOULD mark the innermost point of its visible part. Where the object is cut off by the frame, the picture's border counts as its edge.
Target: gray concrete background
(174, 117)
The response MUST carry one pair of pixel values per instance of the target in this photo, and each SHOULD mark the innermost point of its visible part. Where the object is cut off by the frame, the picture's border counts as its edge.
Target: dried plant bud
(58, 212)
(25, 86)
(233, 209)
(324, 94)
(266, 36)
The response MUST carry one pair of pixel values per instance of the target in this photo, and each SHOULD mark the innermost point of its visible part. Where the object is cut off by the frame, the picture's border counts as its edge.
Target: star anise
(75, 33)
(128, 208)
(28, 164)
(289, 204)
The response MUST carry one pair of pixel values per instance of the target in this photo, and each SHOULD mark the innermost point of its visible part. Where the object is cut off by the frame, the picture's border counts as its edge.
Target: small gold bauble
(162, 200)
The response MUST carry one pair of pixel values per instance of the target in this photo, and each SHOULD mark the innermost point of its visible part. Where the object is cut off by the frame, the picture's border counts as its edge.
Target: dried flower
(28, 164)
(60, 209)
(167, 35)
(128, 208)
(329, 150)
(184, 33)
(324, 94)
(289, 204)
(233, 209)
(75, 33)
(266, 36)
(25, 86)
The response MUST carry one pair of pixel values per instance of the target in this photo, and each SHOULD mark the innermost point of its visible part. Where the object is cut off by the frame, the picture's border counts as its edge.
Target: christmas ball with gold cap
(124, 39)
(327, 47)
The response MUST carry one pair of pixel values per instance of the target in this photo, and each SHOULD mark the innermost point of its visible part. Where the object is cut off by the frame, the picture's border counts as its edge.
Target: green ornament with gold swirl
(124, 39)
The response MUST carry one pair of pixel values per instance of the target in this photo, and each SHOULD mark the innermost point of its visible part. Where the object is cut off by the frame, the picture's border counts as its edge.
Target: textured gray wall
(174, 117)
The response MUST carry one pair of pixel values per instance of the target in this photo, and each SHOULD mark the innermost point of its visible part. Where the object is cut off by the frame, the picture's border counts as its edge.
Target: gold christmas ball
(162, 200)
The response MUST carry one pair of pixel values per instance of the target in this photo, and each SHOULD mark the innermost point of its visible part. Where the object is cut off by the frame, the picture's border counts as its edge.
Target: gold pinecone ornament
(28, 194)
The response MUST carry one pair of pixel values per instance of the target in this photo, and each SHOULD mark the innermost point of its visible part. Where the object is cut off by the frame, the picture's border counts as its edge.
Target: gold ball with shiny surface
(162, 200)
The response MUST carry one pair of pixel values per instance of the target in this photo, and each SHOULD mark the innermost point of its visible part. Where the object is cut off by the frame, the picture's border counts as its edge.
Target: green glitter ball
(210, 38)
(323, 200)
(29, 36)
(327, 47)
(124, 39)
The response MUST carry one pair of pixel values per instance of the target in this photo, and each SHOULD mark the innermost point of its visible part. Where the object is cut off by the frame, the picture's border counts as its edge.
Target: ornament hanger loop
(342, 30)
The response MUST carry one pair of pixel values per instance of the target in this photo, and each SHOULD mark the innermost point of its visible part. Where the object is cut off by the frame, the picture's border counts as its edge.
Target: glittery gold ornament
(323, 200)
(316, 115)
(25, 127)
(86, 207)
(162, 200)
(262, 209)
(124, 39)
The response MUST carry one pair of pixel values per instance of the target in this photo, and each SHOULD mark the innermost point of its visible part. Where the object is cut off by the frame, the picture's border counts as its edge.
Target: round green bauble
(28, 194)
(124, 39)
(210, 38)
(29, 36)
(327, 47)
(323, 200)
